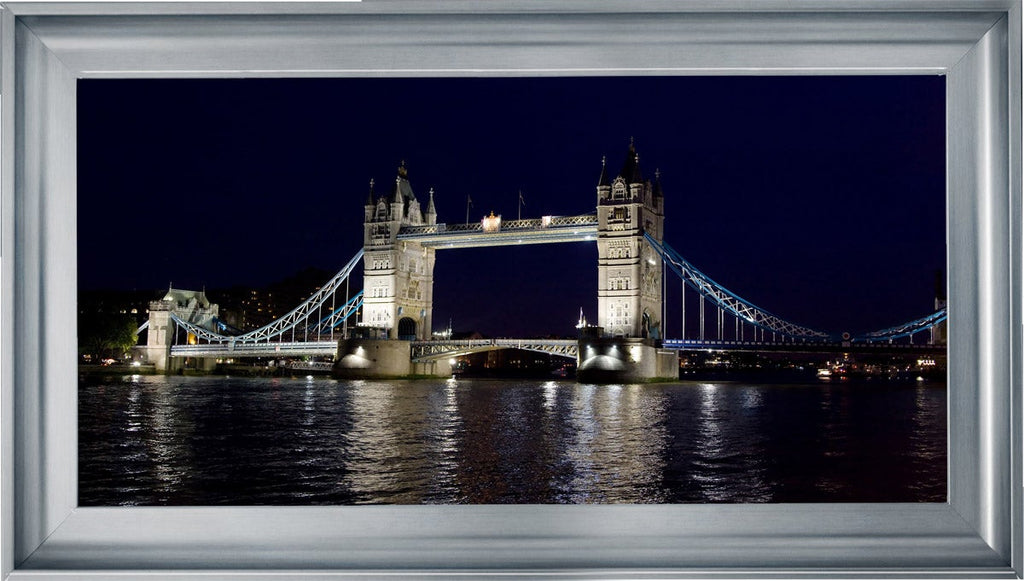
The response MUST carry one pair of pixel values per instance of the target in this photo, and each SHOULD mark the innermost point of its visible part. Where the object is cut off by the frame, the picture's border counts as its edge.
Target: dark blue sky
(820, 199)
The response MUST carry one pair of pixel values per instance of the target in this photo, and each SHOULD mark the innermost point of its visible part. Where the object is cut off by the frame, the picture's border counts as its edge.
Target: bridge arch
(407, 329)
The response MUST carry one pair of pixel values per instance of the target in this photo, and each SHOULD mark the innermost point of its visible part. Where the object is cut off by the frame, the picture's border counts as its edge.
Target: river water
(156, 440)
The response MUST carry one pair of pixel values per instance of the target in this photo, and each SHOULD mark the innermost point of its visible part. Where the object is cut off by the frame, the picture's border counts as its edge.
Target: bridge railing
(419, 230)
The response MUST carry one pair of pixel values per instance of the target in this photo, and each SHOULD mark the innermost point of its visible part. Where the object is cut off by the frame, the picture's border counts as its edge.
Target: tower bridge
(393, 335)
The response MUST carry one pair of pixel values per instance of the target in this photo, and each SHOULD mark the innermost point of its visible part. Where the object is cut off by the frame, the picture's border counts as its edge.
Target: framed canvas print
(199, 414)
(447, 58)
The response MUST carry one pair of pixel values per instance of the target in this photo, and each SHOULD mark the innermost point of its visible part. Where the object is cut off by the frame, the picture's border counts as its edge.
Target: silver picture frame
(45, 47)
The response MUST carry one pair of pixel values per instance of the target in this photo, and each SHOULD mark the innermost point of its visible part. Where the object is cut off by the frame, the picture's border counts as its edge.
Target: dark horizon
(820, 199)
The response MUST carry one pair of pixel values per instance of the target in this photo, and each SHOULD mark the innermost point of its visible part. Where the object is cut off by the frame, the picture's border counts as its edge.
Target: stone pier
(621, 360)
(383, 358)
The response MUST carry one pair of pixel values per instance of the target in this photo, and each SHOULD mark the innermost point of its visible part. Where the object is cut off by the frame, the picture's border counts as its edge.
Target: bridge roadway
(421, 350)
(292, 349)
(569, 348)
(803, 347)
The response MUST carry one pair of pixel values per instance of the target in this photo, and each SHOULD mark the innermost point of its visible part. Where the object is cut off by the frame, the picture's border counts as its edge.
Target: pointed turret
(604, 187)
(397, 203)
(431, 210)
(657, 184)
(369, 205)
(397, 197)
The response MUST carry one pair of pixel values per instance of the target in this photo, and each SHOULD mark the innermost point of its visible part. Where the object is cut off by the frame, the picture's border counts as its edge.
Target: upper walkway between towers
(491, 231)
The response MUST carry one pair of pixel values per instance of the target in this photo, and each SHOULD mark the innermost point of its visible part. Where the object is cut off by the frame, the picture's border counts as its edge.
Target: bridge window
(618, 252)
(619, 283)
(618, 190)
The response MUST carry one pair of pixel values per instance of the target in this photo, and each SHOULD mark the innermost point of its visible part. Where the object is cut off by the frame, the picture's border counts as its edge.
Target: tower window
(619, 189)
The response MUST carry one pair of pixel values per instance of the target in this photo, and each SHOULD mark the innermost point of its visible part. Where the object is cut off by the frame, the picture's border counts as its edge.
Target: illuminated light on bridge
(396, 301)
(491, 223)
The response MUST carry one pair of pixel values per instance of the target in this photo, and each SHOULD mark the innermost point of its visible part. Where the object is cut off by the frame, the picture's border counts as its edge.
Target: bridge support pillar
(623, 360)
(435, 367)
(160, 336)
(369, 358)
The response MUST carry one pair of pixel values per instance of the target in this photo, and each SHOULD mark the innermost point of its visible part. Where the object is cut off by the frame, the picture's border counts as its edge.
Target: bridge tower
(629, 271)
(625, 346)
(187, 305)
(398, 277)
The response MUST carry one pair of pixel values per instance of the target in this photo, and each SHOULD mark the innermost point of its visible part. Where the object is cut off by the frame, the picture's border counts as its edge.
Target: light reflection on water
(183, 440)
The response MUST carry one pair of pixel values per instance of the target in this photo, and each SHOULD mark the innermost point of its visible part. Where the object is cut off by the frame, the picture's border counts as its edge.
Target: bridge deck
(297, 348)
(427, 350)
(421, 350)
(549, 229)
(803, 347)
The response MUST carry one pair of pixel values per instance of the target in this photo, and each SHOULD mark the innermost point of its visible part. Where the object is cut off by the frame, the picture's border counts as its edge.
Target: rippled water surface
(155, 440)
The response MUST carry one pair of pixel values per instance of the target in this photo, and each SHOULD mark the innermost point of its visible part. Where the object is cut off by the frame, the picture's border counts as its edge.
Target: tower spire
(603, 180)
(369, 195)
(631, 168)
(398, 190)
(403, 190)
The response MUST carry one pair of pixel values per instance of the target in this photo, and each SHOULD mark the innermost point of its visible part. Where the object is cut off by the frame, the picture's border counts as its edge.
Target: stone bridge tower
(629, 283)
(398, 276)
(187, 305)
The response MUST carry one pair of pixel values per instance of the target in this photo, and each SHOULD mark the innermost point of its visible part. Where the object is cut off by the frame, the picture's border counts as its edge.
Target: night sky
(820, 199)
